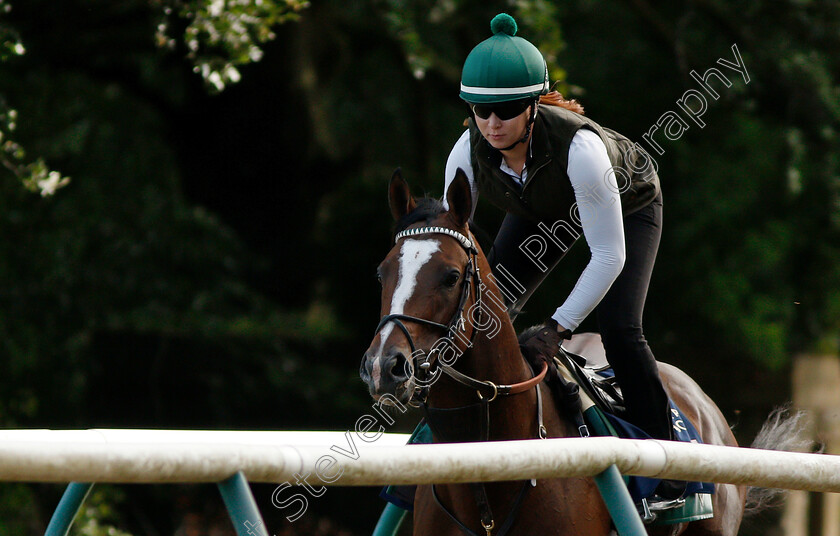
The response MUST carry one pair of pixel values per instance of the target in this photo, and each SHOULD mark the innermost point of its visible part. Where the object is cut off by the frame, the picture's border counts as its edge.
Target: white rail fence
(356, 459)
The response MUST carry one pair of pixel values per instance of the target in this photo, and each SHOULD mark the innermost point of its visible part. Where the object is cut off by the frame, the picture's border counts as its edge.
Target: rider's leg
(620, 321)
(619, 313)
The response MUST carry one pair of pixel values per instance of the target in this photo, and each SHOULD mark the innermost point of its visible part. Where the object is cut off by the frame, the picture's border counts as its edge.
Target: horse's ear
(399, 196)
(459, 197)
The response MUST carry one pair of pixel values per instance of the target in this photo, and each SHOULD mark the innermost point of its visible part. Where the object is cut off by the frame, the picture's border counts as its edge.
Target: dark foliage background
(211, 262)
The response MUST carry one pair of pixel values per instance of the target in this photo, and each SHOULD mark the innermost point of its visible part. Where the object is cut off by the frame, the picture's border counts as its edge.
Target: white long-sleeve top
(599, 206)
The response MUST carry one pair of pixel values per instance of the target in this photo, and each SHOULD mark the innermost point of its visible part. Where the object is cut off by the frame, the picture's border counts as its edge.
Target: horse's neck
(496, 351)
(495, 357)
(492, 356)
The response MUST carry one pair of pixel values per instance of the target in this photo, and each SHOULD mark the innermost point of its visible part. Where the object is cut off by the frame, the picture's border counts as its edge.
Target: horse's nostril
(399, 367)
(364, 368)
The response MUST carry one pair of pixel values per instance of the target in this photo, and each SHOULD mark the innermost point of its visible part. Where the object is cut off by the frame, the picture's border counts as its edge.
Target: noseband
(421, 362)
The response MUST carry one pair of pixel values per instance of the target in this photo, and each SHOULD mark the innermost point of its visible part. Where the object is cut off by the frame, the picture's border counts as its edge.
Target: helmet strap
(527, 134)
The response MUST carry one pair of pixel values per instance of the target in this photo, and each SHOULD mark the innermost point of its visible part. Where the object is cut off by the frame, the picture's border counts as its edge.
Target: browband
(466, 242)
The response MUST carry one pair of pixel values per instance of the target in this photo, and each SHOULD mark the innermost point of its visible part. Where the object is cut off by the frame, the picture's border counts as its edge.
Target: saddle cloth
(601, 400)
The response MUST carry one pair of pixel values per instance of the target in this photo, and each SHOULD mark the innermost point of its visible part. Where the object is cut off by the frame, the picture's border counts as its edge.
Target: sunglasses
(503, 110)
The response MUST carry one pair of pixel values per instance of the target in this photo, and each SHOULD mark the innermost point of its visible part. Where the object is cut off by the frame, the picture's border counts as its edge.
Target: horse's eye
(451, 279)
(379, 277)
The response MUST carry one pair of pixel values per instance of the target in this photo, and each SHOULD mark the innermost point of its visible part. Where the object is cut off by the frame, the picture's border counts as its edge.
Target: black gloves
(540, 343)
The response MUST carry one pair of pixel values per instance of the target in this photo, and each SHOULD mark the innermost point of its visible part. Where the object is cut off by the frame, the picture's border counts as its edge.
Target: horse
(445, 341)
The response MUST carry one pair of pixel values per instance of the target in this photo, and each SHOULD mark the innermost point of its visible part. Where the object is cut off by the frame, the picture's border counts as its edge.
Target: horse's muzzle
(388, 373)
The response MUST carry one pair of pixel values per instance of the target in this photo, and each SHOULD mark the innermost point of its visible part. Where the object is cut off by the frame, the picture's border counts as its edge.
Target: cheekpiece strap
(466, 242)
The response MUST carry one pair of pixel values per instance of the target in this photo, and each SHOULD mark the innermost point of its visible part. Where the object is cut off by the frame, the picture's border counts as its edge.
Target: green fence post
(241, 506)
(69, 505)
(619, 503)
(612, 486)
(390, 521)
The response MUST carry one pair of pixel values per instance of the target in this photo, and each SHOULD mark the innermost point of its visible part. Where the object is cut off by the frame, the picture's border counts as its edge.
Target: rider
(557, 173)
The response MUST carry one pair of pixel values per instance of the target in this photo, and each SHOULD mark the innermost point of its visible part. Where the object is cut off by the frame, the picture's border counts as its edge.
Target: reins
(497, 389)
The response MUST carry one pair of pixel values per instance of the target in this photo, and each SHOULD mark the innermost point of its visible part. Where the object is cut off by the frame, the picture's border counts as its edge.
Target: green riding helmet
(504, 67)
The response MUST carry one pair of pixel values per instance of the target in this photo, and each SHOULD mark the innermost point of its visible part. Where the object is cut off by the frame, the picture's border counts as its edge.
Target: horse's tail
(784, 430)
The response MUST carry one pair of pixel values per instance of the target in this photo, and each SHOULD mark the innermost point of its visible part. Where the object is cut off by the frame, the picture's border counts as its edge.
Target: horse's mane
(527, 333)
(427, 209)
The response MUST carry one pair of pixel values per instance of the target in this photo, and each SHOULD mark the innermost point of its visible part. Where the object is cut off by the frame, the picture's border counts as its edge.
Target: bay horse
(446, 341)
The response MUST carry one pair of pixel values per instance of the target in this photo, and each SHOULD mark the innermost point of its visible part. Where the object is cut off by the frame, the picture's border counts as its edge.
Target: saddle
(603, 407)
(595, 378)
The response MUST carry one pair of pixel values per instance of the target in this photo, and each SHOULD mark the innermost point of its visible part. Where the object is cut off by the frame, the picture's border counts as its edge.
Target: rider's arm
(460, 157)
(599, 205)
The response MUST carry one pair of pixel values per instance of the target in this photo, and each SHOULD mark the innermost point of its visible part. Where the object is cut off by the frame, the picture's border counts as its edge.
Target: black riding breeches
(619, 313)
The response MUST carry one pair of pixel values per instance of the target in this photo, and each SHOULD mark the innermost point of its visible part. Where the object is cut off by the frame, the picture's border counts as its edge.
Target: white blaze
(414, 254)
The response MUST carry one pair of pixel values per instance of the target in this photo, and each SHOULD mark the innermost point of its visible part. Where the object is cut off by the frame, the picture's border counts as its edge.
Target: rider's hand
(563, 332)
(542, 345)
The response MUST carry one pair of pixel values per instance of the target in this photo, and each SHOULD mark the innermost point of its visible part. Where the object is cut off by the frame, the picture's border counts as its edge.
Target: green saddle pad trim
(421, 434)
(596, 420)
(696, 507)
(599, 423)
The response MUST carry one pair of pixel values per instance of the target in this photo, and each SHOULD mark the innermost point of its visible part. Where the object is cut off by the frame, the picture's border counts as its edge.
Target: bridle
(486, 390)
(454, 330)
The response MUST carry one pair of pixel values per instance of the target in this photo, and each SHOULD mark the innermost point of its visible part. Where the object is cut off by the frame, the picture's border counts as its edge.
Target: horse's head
(428, 281)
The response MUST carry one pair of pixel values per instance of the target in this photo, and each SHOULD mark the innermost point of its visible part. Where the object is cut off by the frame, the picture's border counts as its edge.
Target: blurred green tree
(212, 261)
